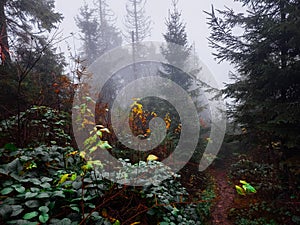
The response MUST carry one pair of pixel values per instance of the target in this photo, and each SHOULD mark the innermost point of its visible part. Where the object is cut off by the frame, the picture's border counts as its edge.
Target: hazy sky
(192, 14)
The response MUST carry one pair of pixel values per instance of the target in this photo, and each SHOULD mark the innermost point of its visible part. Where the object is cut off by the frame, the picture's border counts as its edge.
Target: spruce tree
(99, 32)
(176, 50)
(30, 64)
(24, 20)
(138, 25)
(109, 35)
(266, 56)
(88, 25)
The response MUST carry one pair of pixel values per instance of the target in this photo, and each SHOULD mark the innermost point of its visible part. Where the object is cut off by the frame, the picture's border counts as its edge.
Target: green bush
(259, 221)
(50, 182)
(264, 177)
(171, 204)
(35, 189)
(35, 126)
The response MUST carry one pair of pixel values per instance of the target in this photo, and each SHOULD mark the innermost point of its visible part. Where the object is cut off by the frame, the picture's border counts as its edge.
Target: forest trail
(225, 192)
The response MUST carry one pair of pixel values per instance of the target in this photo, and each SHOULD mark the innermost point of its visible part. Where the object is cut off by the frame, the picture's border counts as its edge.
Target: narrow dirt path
(225, 195)
(224, 191)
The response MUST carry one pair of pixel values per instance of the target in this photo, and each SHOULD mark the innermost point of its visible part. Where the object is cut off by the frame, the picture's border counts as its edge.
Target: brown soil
(224, 201)
(225, 191)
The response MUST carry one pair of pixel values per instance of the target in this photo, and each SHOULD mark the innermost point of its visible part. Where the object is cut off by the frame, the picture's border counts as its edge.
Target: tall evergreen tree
(30, 64)
(266, 88)
(110, 36)
(24, 19)
(138, 25)
(99, 32)
(88, 25)
(23, 46)
(177, 50)
(178, 53)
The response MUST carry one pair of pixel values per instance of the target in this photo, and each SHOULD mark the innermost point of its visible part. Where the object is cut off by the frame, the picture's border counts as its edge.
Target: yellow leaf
(63, 178)
(88, 166)
(105, 130)
(240, 190)
(72, 153)
(82, 154)
(135, 223)
(154, 114)
(152, 158)
(209, 140)
(243, 182)
(92, 149)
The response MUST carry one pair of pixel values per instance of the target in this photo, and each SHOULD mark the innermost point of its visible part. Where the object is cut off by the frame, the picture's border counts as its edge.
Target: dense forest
(126, 131)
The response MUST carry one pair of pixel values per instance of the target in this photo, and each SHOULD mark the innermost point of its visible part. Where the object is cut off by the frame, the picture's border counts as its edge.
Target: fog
(192, 14)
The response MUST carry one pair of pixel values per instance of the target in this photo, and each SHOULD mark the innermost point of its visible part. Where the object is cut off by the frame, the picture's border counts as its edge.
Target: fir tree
(109, 35)
(176, 50)
(88, 25)
(25, 20)
(136, 22)
(266, 88)
(99, 32)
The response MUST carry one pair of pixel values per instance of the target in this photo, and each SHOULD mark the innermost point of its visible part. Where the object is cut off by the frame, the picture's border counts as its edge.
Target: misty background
(192, 14)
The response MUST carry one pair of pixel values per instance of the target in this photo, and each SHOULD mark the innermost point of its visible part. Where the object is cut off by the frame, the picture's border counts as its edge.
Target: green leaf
(30, 194)
(65, 221)
(46, 179)
(34, 189)
(99, 133)
(17, 209)
(30, 215)
(90, 205)
(58, 194)
(88, 166)
(35, 181)
(32, 203)
(104, 145)
(117, 222)
(149, 195)
(248, 188)
(73, 177)
(92, 149)
(19, 188)
(44, 209)
(21, 222)
(43, 195)
(164, 223)
(75, 207)
(6, 191)
(77, 184)
(46, 185)
(43, 218)
(175, 211)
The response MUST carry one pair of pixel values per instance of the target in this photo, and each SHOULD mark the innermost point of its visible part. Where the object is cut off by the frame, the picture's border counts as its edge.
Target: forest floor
(225, 192)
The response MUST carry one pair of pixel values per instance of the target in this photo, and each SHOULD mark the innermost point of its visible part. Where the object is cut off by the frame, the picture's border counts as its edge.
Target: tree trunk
(136, 22)
(4, 46)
